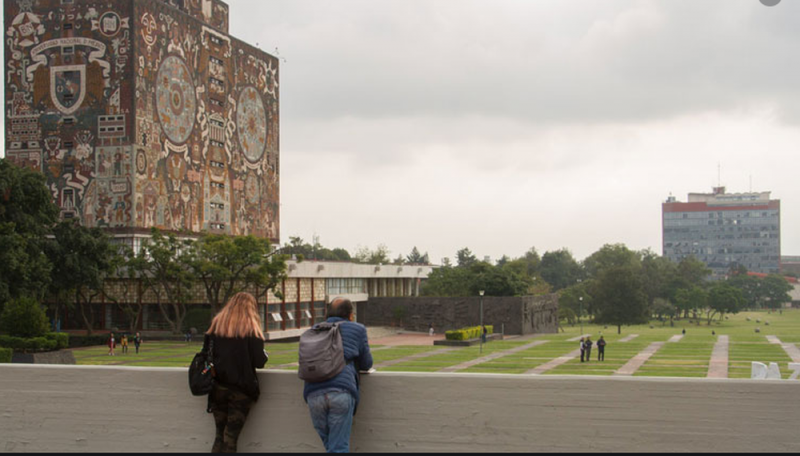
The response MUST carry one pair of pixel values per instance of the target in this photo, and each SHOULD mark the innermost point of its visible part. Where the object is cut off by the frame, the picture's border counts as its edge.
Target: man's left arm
(364, 355)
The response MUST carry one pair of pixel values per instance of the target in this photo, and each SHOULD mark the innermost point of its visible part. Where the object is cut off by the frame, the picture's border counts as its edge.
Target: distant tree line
(613, 286)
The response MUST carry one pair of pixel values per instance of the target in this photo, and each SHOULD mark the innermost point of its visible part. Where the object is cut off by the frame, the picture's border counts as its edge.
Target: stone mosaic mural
(144, 113)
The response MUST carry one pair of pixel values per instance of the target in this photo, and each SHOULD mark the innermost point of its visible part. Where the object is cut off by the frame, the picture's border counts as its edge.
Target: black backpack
(201, 371)
(321, 353)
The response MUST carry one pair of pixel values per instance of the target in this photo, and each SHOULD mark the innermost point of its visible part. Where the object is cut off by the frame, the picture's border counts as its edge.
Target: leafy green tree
(619, 296)
(447, 282)
(691, 299)
(417, 258)
(560, 269)
(610, 255)
(723, 298)
(749, 286)
(465, 258)
(774, 291)
(570, 298)
(378, 256)
(399, 261)
(663, 309)
(24, 317)
(163, 267)
(27, 214)
(659, 273)
(82, 259)
(227, 265)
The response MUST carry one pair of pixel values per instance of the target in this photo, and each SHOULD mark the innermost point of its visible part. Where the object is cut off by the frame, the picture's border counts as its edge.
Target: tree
(774, 291)
(691, 299)
(416, 258)
(465, 258)
(27, 214)
(724, 298)
(659, 273)
(662, 309)
(228, 265)
(619, 297)
(399, 261)
(749, 286)
(610, 255)
(447, 282)
(570, 298)
(560, 269)
(162, 265)
(378, 256)
(82, 259)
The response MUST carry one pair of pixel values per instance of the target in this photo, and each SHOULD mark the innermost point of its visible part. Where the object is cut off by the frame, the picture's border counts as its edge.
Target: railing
(112, 409)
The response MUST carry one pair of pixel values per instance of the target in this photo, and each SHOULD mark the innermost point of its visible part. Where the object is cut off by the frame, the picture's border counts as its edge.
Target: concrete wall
(520, 315)
(112, 409)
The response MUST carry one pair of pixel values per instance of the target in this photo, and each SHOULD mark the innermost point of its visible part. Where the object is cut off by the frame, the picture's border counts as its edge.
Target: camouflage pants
(230, 410)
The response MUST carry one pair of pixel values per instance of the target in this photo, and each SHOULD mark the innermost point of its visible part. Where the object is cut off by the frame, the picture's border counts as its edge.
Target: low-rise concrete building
(309, 287)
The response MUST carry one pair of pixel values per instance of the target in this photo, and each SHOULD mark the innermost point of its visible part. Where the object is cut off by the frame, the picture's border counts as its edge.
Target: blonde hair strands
(238, 319)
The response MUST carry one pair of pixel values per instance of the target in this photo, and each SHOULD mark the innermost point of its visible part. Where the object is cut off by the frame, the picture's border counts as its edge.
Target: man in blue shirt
(333, 403)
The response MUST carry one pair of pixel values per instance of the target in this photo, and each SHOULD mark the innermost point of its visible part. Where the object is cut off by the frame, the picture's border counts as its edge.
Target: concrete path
(407, 339)
(638, 361)
(576, 339)
(416, 357)
(629, 338)
(493, 356)
(790, 349)
(718, 367)
(555, 363)
(676, 339)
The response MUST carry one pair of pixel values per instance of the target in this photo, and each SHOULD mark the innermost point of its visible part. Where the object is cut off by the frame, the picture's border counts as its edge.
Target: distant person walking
(124, 343)
(112, 344)
(601, 349)
(137, 341)
(333, 403)
(684, 331)
(238, 350)
(430, 330)
(583, 348)
(589, 344)
(484, 334)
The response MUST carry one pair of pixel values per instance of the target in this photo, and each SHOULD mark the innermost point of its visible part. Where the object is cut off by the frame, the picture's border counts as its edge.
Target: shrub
(33, 344)
(24, 317)
(5, 355)
(62, 339)
(467, 333)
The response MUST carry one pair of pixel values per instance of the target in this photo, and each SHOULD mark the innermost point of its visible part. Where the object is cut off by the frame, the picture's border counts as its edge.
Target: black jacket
(236, 361)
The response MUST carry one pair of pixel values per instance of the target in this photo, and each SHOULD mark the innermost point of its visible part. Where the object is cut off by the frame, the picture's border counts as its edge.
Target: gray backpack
(321, 353)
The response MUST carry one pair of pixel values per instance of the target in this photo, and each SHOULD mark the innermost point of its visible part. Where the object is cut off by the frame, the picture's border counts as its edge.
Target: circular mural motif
(251, 119)
(175, 99)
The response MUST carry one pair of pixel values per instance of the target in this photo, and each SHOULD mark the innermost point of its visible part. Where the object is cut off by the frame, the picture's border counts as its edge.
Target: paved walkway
(550, 365)
(790, 349)
(493, 356)
(718, 367)
(576, 339)
(416, 357)
(676, 339)
(629, 338)
(638, 361)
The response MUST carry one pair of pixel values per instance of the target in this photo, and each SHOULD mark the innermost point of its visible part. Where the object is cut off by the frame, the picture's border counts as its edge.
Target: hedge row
(5, 355)
(468, 333)
(50, 342)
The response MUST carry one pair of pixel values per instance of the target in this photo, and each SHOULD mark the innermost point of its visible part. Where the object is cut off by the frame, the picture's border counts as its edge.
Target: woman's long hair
(238, 319)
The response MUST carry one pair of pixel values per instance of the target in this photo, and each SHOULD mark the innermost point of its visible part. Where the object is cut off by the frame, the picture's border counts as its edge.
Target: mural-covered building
(144, 113)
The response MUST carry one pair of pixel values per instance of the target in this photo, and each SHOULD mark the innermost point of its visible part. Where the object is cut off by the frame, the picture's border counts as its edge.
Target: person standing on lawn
(601, 349)
(583, 348)
(588, 345)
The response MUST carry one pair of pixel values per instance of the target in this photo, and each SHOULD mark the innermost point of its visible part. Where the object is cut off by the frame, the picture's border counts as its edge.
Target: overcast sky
(505, 124)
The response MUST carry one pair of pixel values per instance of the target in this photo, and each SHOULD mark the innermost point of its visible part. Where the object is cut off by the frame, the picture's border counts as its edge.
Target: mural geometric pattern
(175, 99)
(251, 116)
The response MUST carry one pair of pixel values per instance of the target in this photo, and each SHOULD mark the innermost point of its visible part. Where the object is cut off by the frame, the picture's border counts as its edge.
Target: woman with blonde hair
(237, 345)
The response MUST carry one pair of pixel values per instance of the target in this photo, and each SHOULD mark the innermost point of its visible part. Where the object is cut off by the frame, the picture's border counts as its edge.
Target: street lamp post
(581, 314)
(482, 336)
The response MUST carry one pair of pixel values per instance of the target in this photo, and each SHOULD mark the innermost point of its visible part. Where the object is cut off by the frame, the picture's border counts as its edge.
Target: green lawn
(689, 357)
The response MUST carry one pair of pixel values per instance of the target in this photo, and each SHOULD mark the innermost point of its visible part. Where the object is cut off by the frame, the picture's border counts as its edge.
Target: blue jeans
(332, 416)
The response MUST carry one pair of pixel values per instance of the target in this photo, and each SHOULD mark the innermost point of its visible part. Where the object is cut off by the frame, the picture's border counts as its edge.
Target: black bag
(201, 371)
